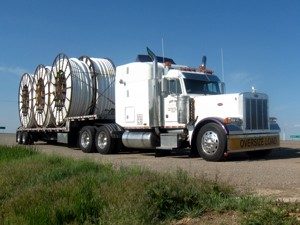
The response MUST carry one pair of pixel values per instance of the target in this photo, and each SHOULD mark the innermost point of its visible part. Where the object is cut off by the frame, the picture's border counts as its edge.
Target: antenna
(162, 49)
(222, 61)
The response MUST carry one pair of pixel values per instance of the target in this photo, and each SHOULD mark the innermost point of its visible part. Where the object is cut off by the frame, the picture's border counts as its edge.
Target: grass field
(40, 189)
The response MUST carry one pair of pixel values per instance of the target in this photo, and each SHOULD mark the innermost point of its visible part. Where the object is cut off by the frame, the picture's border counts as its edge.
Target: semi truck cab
(164, 105)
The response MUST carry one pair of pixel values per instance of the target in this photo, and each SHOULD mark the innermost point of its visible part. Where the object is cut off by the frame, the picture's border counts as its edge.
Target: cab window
(173, 86)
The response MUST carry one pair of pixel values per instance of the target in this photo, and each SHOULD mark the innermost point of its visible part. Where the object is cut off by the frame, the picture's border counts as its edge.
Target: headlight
(233, 120)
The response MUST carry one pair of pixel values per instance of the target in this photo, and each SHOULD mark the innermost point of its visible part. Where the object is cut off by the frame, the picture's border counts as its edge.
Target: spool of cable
(103, 73)
(25, 101)
(41, 108)
(70, 88)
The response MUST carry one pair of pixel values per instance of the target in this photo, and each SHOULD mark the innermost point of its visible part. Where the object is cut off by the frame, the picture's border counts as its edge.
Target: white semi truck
(151, 103)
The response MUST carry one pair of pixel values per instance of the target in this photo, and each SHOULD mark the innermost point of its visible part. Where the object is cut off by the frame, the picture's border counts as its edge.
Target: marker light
(233, 120)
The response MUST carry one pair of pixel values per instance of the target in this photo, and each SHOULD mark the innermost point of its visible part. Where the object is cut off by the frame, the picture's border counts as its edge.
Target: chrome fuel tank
(139, 139)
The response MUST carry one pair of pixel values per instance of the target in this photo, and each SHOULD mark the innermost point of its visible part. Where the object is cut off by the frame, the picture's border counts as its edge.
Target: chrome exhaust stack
(155, 94)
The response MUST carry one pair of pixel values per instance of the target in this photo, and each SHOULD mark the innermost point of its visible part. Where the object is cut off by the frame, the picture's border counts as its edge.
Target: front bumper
(252, 142)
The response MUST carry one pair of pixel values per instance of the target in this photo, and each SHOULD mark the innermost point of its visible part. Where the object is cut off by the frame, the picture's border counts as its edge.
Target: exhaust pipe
(156, 101)
(203, 64)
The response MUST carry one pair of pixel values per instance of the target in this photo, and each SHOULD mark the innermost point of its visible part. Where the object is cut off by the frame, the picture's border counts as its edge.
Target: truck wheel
(103, 141)
(26, 138)
(259, 154)
(211, 142)
(19, 137)
(86, 139)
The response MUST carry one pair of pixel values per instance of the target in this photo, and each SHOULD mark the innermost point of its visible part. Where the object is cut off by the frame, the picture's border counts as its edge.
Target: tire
(25, 138)
(19, 137)
(103, 141)
(86, 139)
(211, 142)
(259, 154)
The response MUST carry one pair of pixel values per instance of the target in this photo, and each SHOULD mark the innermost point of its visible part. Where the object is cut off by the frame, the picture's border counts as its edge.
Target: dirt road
(278, 175)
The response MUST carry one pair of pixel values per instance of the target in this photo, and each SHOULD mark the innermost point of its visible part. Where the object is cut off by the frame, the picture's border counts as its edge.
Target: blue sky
(260, 42)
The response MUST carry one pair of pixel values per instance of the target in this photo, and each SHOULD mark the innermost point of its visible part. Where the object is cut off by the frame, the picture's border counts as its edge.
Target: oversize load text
(258, 142)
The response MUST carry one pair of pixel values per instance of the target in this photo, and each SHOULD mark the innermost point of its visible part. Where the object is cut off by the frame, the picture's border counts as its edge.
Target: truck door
(172, 91)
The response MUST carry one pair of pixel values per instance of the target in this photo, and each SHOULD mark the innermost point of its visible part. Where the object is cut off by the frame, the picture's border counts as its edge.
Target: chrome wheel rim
(102, 140)
(210, 142)
(85, 139)
(19, 138)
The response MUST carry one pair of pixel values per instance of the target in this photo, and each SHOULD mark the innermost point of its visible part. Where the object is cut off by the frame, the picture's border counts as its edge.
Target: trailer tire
(104, 141)
(26, 138)
(211, 142)
(86, 139)
(19, 137)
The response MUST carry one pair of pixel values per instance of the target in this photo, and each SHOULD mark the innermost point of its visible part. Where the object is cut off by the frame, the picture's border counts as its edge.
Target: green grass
(40, 189)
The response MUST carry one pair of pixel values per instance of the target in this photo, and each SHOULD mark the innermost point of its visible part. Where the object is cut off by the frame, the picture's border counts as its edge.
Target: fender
(114, 129)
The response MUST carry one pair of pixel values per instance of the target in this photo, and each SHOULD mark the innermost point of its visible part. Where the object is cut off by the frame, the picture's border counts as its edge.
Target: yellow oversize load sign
(245, 143)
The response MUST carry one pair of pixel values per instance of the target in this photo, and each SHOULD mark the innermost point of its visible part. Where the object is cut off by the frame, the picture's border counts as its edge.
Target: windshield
(201, 87)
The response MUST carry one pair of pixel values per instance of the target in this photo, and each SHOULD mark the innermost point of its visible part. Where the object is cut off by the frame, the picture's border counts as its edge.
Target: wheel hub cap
(102, 140)
(85, 139)
(210, 142)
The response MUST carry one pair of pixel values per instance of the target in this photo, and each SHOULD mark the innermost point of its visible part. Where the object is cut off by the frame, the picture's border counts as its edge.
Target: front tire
(86, 139)
(211, 142)
(103, 141)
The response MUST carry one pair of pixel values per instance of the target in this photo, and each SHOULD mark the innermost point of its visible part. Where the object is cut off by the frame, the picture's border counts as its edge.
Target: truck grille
(256, 114)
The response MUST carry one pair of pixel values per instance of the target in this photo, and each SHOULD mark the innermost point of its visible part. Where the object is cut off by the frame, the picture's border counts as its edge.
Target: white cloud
(12, 70)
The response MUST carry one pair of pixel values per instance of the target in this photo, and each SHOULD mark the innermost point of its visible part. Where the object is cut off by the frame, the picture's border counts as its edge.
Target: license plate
(245, 143)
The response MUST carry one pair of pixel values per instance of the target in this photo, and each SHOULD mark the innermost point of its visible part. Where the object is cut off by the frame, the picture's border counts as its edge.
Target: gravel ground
(278, 175)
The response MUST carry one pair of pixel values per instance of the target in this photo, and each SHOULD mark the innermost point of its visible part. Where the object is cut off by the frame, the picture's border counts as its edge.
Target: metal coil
(103, 74)
(70, 88)
(25, 101)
